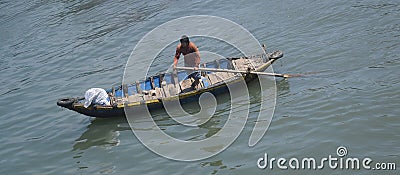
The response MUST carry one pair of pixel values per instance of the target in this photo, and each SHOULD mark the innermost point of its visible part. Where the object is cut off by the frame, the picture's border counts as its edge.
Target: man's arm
(177, 55)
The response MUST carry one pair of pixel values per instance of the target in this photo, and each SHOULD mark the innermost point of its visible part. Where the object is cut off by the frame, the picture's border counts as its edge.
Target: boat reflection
(217, 166)
(101, 132)
(282, 86)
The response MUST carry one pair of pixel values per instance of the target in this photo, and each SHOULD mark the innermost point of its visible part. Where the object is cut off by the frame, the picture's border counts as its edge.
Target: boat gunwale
(221, 84)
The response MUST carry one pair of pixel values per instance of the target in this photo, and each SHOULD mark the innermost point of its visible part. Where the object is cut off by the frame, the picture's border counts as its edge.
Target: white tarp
(96, 96)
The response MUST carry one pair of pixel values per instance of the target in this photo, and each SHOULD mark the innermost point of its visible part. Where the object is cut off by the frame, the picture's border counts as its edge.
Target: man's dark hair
(185, 39)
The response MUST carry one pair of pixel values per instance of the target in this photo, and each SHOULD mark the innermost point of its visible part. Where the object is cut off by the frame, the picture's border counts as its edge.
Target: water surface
(53, 49)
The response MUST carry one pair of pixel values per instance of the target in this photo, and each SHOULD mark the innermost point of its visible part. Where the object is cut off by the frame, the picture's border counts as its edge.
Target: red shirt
(190, 53)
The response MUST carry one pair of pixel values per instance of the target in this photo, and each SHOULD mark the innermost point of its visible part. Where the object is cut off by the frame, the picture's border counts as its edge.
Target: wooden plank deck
(135, 98)
(173, 89)
(214, 79)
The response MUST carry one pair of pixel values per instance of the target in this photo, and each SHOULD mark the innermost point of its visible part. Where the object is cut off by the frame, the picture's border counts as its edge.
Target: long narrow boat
(173, 86)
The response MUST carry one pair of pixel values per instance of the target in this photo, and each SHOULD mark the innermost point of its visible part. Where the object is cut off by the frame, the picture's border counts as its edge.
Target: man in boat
(191, 56)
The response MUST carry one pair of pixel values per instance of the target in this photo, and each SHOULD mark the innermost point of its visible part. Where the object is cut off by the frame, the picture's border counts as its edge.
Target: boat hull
(119, 111)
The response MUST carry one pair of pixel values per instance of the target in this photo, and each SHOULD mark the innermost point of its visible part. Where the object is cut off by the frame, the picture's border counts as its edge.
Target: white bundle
(96, 96)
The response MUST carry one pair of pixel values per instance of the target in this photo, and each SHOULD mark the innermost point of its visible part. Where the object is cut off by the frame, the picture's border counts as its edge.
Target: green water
(54, 49)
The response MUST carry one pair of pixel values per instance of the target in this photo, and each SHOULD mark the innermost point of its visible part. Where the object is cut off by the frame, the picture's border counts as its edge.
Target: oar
(238, 71)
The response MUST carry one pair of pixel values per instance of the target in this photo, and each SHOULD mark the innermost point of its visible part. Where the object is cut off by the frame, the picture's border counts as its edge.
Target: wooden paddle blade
(292, 75)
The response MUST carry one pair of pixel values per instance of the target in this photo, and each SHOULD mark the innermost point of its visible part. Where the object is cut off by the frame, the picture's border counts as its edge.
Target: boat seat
(186, 85)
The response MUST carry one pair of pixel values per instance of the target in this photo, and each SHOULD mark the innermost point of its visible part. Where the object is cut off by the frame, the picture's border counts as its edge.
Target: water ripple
(52, 49)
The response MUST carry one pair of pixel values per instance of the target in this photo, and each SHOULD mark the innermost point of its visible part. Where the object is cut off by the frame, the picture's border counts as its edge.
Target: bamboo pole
(237, 71)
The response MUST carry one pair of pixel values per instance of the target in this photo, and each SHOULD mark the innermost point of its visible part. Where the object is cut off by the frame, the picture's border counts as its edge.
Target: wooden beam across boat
(234, 71)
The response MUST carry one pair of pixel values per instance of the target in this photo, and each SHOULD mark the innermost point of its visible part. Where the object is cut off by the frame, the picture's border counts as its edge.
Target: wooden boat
(174, 86)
